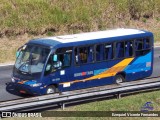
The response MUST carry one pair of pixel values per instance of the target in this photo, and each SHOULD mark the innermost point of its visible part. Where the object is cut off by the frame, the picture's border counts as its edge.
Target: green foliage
(127, 103)
(144, 20)
(49, 33)
(34, 16)
(158, 19)
(57, 17)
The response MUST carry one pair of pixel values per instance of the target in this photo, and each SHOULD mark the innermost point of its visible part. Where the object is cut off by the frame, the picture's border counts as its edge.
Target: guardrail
(21, 104)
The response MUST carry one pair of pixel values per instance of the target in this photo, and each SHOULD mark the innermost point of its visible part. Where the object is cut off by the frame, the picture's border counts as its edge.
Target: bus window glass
(84, 55)
(146, 43)
(128, 48)
(142, 46)
(100, 52)
(108, 51)
(76, 58)
(139, 44)
(120, 50)
(32, 59)
(63, 59)
(90, 57)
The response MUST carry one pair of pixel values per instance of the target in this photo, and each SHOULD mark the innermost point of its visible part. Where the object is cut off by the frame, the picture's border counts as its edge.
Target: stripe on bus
(107, 73)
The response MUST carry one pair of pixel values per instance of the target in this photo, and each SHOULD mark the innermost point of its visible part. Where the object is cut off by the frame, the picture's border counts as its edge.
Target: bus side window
(142, 46)
(100, 52)
(120, 50)
(90, 57)
(81, 55)
(67, 59)
(128, 48)
(147, 43)
(63, 59)
(76, 53)
(108, 51)
(139, 44)
(48, 68)
(84, 55)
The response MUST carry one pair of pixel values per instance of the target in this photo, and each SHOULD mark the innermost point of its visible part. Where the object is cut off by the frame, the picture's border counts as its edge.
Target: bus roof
(52, 41)
(96, 35)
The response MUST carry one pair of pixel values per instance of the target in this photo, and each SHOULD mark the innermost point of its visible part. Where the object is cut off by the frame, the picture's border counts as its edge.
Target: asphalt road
(7, 91)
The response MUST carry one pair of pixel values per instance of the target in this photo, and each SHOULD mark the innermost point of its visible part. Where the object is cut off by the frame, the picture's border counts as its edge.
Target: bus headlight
(36, 85)
(12, 79)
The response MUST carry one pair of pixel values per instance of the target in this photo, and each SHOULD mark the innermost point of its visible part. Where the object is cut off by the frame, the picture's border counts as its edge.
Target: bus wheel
(51, 89)
(119, 79)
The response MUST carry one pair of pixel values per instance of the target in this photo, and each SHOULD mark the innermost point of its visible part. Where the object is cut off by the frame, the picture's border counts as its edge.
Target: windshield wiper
(23, 64)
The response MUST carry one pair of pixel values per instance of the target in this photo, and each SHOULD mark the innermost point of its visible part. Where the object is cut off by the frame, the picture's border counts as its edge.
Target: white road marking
(3, 65)
(156, 46)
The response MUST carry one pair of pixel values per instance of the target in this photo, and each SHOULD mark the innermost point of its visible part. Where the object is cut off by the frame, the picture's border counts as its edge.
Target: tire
(51, 89)
(119, 79)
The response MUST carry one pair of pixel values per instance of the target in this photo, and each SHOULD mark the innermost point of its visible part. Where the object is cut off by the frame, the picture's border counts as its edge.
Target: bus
(79, 61)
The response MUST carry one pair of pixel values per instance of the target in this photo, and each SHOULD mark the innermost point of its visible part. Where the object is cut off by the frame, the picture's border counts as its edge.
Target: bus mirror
(55, 58)
(17, 54)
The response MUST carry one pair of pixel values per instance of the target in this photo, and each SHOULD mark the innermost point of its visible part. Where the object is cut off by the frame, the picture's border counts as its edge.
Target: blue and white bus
(79, 61)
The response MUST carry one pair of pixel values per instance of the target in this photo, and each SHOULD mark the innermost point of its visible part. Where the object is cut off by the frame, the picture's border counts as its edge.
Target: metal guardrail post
(62, 105)
(118, 95)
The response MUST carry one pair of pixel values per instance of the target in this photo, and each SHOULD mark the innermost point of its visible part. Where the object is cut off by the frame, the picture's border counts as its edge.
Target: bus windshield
(31, 59)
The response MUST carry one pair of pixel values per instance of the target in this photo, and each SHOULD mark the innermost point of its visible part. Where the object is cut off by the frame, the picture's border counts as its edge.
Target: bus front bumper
(26, 89)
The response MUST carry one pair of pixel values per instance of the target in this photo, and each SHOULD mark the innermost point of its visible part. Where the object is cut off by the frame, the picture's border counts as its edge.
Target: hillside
(22, 20)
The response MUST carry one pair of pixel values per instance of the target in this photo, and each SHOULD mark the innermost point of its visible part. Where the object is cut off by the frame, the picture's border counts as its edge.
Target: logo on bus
(83, 73)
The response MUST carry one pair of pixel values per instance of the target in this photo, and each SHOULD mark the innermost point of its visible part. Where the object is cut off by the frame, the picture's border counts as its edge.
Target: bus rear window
(142, 46)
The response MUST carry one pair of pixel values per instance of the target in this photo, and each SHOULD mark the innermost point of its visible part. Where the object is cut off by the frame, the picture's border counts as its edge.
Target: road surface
(7, 91)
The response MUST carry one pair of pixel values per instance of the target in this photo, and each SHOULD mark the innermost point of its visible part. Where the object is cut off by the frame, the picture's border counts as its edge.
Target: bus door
(60, 71)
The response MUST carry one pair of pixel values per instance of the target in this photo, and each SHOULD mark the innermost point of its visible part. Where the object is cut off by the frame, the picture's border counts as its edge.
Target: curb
(3, 65)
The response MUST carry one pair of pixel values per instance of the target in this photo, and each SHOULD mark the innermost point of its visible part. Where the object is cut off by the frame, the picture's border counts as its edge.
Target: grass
(128, 103)
(39, 18)
(36, 16)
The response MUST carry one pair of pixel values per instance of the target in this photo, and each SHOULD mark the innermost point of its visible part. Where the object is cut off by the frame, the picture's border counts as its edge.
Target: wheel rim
(119, 80)
(50, 91)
